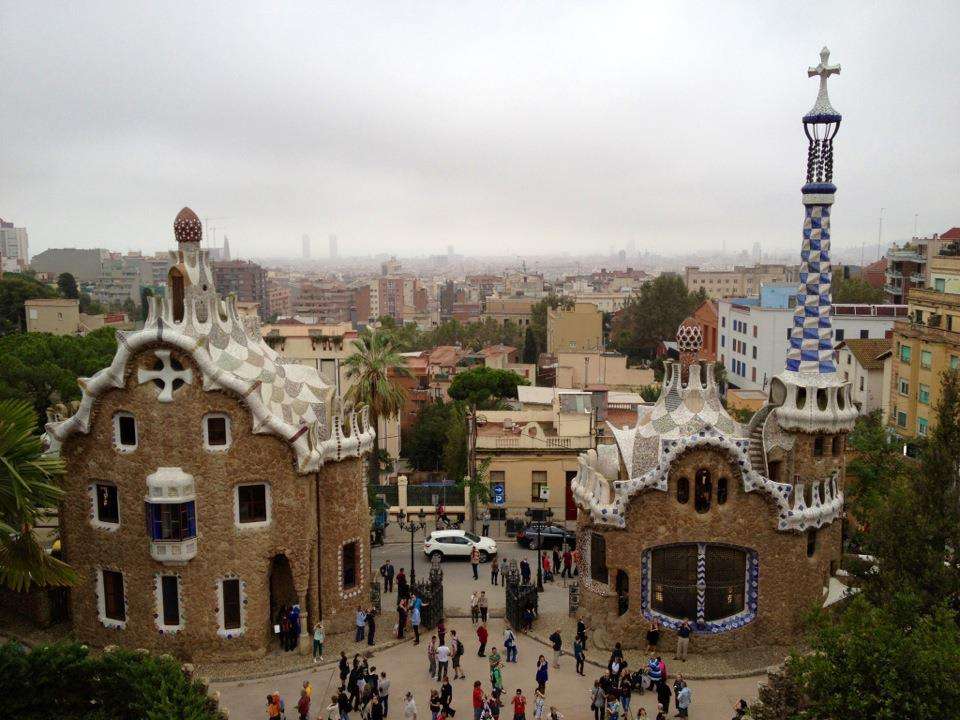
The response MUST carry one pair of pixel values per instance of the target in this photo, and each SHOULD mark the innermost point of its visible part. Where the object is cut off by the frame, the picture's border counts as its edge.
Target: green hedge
(64, 681)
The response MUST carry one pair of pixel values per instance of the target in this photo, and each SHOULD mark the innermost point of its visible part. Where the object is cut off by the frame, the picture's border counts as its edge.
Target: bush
(66, 682)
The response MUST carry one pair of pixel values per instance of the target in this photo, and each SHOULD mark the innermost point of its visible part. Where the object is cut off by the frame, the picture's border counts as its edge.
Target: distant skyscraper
(306, 247)
(756, 252)
(631, 247)
(334, 252)
(14, 247)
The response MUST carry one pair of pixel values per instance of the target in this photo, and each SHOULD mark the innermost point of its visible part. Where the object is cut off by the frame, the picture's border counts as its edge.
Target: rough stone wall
(790, 583)
(171, 434)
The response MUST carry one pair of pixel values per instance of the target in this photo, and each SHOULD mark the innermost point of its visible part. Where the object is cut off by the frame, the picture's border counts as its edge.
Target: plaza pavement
(406, 666)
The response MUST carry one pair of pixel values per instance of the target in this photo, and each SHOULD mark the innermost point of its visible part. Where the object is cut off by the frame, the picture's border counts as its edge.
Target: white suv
(458, 543)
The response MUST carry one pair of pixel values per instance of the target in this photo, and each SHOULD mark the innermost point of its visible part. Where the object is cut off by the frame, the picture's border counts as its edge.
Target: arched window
(623, 592)
(683, 490)
(702, 491)
(722, 490)
(175, 283)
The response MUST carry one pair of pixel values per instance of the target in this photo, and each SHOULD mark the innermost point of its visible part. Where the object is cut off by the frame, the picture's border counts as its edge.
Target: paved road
(406, 665)
(458, 580)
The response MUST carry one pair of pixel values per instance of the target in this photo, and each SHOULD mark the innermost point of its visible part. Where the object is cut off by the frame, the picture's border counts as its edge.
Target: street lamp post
(540, 516)
(412, 527)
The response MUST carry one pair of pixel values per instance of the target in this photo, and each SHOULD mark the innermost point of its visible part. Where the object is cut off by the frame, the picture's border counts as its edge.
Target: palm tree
(374, 368)
(28, 492)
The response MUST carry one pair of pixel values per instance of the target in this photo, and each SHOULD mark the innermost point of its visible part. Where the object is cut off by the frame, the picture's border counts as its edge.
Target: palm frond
(25, 564)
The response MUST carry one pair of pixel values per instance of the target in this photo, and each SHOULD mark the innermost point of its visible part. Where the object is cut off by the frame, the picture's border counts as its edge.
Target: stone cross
(167, 375)
(824, 70)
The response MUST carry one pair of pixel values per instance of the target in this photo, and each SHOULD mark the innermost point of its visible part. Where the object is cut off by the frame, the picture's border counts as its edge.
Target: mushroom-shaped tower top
(187, 226)
(689, 337)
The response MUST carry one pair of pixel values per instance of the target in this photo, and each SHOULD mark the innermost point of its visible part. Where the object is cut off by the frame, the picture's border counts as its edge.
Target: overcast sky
(494, 127)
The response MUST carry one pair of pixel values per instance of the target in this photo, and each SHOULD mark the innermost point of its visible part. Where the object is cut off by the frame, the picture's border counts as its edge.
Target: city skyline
(530, 131)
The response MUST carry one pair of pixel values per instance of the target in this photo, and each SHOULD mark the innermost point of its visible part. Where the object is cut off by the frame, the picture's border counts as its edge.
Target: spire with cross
(822, 110)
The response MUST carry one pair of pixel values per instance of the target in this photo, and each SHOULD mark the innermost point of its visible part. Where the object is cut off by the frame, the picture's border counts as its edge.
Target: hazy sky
(493, 127)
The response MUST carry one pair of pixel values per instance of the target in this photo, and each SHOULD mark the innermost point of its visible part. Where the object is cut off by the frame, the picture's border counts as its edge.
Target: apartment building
(14, 246)
(861, 362)
(579, 329)
(246, 280)
(515, 309)
(925, 343)
(741, 281)
(524, 284)
(279, 298)
(753, 331)
(120, 281)
(327, 301)
(909, 267)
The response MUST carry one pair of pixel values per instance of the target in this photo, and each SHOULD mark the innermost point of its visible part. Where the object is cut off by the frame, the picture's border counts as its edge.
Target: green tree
(652, 315)
(455, 453)
(67, 285)
(648, 393)
(43, 368)
(875, 461)
(530, 352)
(875, 663)
(424, 443)
(854, 290)
(89, 306)
(29, 490)
(484, 387)
(15, 289)
(374, 368)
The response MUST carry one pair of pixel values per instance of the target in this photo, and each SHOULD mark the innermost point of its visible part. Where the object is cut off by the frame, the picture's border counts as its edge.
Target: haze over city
(544, 128)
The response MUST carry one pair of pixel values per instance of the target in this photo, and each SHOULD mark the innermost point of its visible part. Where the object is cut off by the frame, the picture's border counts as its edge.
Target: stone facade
(789, 582)
(171, 435)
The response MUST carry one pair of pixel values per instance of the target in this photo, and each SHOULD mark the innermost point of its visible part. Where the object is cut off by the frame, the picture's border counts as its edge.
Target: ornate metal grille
(725, 579)
(674, 578)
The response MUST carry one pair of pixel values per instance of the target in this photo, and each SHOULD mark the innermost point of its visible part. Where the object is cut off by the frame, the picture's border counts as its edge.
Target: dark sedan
(550, 536)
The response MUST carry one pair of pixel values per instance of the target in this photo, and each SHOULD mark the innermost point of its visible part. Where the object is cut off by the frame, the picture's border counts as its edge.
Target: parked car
(458, 543)
(550, 536)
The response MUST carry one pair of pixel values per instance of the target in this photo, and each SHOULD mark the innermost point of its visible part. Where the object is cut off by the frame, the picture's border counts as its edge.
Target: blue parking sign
(499, 493)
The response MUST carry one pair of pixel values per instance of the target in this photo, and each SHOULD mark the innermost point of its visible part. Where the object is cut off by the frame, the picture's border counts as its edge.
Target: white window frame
(232, 633)
(158, 593)
(95, 521)
(102, 600)
(116, 432)
(206, 436)
(260, 524)
(903, 386)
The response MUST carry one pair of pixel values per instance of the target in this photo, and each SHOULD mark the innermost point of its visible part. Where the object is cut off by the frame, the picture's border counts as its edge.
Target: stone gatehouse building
(208, 482)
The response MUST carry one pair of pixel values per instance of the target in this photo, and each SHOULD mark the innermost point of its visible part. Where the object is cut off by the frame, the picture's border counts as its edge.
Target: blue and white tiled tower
(810, 394)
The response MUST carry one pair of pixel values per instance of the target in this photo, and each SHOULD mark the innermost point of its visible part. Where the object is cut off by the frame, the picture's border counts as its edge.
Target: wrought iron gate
(519, 599)
(431, 592)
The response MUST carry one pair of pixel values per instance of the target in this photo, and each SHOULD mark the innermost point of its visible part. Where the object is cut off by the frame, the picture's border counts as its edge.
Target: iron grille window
(252, 503)
(725, 581)
(231, 604)
(674, 581)
(171, 521)
(598, 558)
(113, 605)
(108, 507)
(349, 565)
(171, 600)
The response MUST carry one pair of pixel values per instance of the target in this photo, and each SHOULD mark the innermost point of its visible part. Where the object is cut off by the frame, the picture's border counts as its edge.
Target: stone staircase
(756, 440)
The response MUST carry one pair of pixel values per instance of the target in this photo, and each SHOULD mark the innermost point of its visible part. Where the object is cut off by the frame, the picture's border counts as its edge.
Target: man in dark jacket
(557, 647)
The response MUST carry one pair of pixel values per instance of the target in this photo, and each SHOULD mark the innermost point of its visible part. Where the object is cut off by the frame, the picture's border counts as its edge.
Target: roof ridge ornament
(822, 110)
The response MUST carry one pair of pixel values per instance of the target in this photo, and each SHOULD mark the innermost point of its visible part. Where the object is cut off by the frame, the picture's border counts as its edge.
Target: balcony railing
(526, 442)
(173, 551)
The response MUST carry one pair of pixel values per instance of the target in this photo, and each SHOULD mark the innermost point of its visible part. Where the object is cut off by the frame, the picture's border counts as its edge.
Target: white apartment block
(14, 246)
(753, 335)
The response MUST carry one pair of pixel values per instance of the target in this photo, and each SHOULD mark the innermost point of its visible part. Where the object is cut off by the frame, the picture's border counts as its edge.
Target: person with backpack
(557, 642)
(457, 654)
(510, 644)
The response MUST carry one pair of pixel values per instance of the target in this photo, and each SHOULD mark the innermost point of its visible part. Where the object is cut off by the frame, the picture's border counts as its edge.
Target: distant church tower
(812, 398)
(225, 253)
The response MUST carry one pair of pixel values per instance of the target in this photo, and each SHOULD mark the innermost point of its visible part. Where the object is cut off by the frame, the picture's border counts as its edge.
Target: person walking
(303, 705)
(344, 667)
(626, 694)
(343, 703)
(434, 704)
(567, 564)
(333, 709)
(579, 655)
(482, 636)
(409, 707)
(474, 607)
(538, 705)
(432, 655)
(683, 699)
(542, 674)
(519, 706)
(525, 571)
(375, 709)
(361, 623)
(446, 694)
(664, 695)
(478, 700)
(383, 689)
(494, 571)
(371, 625)
(415, 620)
(496, 678)
(318, 636)
(457, 654)
(556, 560)
(273, 706)
(485, 522)
(683, 641)
(582, 630)
(475, 562)
(443, 661)
(510, 644)
(483, 602)
(557, 642)
(598, 700)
